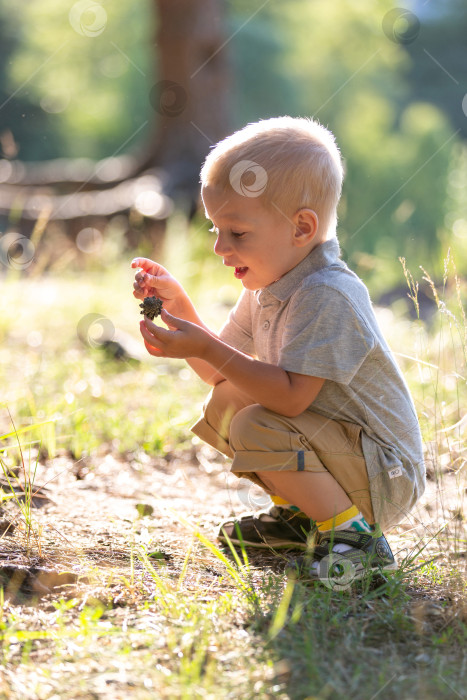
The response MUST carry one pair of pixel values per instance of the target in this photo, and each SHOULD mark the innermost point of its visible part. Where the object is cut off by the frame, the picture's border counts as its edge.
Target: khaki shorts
(260, 440)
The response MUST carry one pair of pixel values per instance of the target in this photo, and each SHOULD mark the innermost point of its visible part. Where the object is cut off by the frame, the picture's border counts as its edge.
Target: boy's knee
(216, 404)
(245, 426)
(221, 406)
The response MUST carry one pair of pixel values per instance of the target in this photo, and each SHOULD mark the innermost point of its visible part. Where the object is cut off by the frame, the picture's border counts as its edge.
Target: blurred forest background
(86, 82)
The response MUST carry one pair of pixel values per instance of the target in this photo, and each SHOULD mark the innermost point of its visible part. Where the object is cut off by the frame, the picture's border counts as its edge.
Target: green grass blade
(280, 616)
(27, 428)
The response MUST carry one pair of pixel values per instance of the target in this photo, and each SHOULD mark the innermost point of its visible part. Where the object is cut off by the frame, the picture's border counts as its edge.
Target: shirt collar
(323, 255)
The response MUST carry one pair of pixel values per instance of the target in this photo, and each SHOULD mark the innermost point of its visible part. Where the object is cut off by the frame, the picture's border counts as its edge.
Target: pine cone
(151, 307)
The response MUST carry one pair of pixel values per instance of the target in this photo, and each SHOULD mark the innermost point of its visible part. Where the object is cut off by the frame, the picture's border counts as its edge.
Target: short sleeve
(325, 336)
(237, 330)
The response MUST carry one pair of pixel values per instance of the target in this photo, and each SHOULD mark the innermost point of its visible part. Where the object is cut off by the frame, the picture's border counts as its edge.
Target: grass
(165, 612)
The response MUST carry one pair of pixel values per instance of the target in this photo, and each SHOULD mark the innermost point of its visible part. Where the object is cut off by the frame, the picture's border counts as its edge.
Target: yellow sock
(350, 519)
(278, 501)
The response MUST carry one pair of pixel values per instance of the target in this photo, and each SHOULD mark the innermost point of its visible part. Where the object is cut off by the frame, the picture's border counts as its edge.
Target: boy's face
(260, 244)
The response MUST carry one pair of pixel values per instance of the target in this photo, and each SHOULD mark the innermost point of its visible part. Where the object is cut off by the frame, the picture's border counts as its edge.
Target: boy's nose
(221, 246)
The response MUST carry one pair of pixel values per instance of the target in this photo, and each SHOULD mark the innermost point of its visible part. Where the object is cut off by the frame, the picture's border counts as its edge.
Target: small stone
(423, 659)
(6, 527)
(144, 509)
(151, 307)
(156, 555)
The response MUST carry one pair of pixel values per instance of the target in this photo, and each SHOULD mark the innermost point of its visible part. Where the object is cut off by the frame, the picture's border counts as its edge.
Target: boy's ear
(306, 226)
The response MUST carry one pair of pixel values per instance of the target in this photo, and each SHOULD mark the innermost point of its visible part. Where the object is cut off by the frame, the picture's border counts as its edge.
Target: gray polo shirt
(318, 320)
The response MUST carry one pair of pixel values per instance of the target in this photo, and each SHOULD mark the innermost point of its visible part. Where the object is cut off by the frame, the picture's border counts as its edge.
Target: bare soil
(88, 516)
(91, 515)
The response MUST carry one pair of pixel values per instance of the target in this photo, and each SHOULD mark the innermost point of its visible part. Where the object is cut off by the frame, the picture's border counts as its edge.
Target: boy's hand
(154, 280)
(182, 340)
(187, 337)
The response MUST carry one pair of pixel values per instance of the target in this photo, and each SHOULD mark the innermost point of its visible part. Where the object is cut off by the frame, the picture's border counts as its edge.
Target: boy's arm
(287, 393)
(203, 369)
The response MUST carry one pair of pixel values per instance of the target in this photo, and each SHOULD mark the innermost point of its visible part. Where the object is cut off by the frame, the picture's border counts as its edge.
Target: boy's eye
(235, 234)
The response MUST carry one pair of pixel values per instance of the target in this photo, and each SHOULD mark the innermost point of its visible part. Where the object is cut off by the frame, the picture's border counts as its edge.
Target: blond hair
(290, 163)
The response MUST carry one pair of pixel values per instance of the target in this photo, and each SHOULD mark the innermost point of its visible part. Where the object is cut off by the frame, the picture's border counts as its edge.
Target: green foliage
(93, 89)
(396, 108)
(438, 60)
(397, 151)
(264, 86)
(385, 103)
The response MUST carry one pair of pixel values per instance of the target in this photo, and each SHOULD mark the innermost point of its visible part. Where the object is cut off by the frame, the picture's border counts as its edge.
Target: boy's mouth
(240, 272)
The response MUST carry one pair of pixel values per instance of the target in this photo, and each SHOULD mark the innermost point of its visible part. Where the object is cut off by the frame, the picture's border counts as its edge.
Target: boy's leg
(222, 404)
(319, 464)
(317, 494)
(279, 526)
(316, 460)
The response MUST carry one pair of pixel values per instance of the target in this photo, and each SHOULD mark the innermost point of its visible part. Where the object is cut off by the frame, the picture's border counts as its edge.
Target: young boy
(307, 398)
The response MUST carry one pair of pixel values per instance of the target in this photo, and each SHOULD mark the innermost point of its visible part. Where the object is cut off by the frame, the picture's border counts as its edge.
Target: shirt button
(266, 325)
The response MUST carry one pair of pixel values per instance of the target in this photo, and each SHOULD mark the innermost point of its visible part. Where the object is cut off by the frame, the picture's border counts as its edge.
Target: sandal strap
(245, 517)
(357, 540)
(272, 513)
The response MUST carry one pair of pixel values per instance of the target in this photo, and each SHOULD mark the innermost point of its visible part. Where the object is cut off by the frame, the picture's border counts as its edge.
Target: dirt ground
(88, 528)
(91, 514)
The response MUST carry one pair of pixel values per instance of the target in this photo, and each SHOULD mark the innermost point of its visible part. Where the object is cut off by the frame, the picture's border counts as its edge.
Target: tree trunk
(190, 96)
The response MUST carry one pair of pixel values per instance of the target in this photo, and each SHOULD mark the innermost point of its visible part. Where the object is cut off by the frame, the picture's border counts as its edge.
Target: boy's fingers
(150, 281)
(147, 334)
(172, 321)
(150, 331)
(153, 346)
(157, 352)
(150, 326)
(147, 281)
(167, 318)
(145, 263)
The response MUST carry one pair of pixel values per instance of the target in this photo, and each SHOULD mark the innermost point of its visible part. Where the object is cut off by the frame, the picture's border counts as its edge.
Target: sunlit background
(83, 81)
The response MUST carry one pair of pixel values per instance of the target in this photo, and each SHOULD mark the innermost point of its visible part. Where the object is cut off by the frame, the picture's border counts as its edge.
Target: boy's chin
(251, 286)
